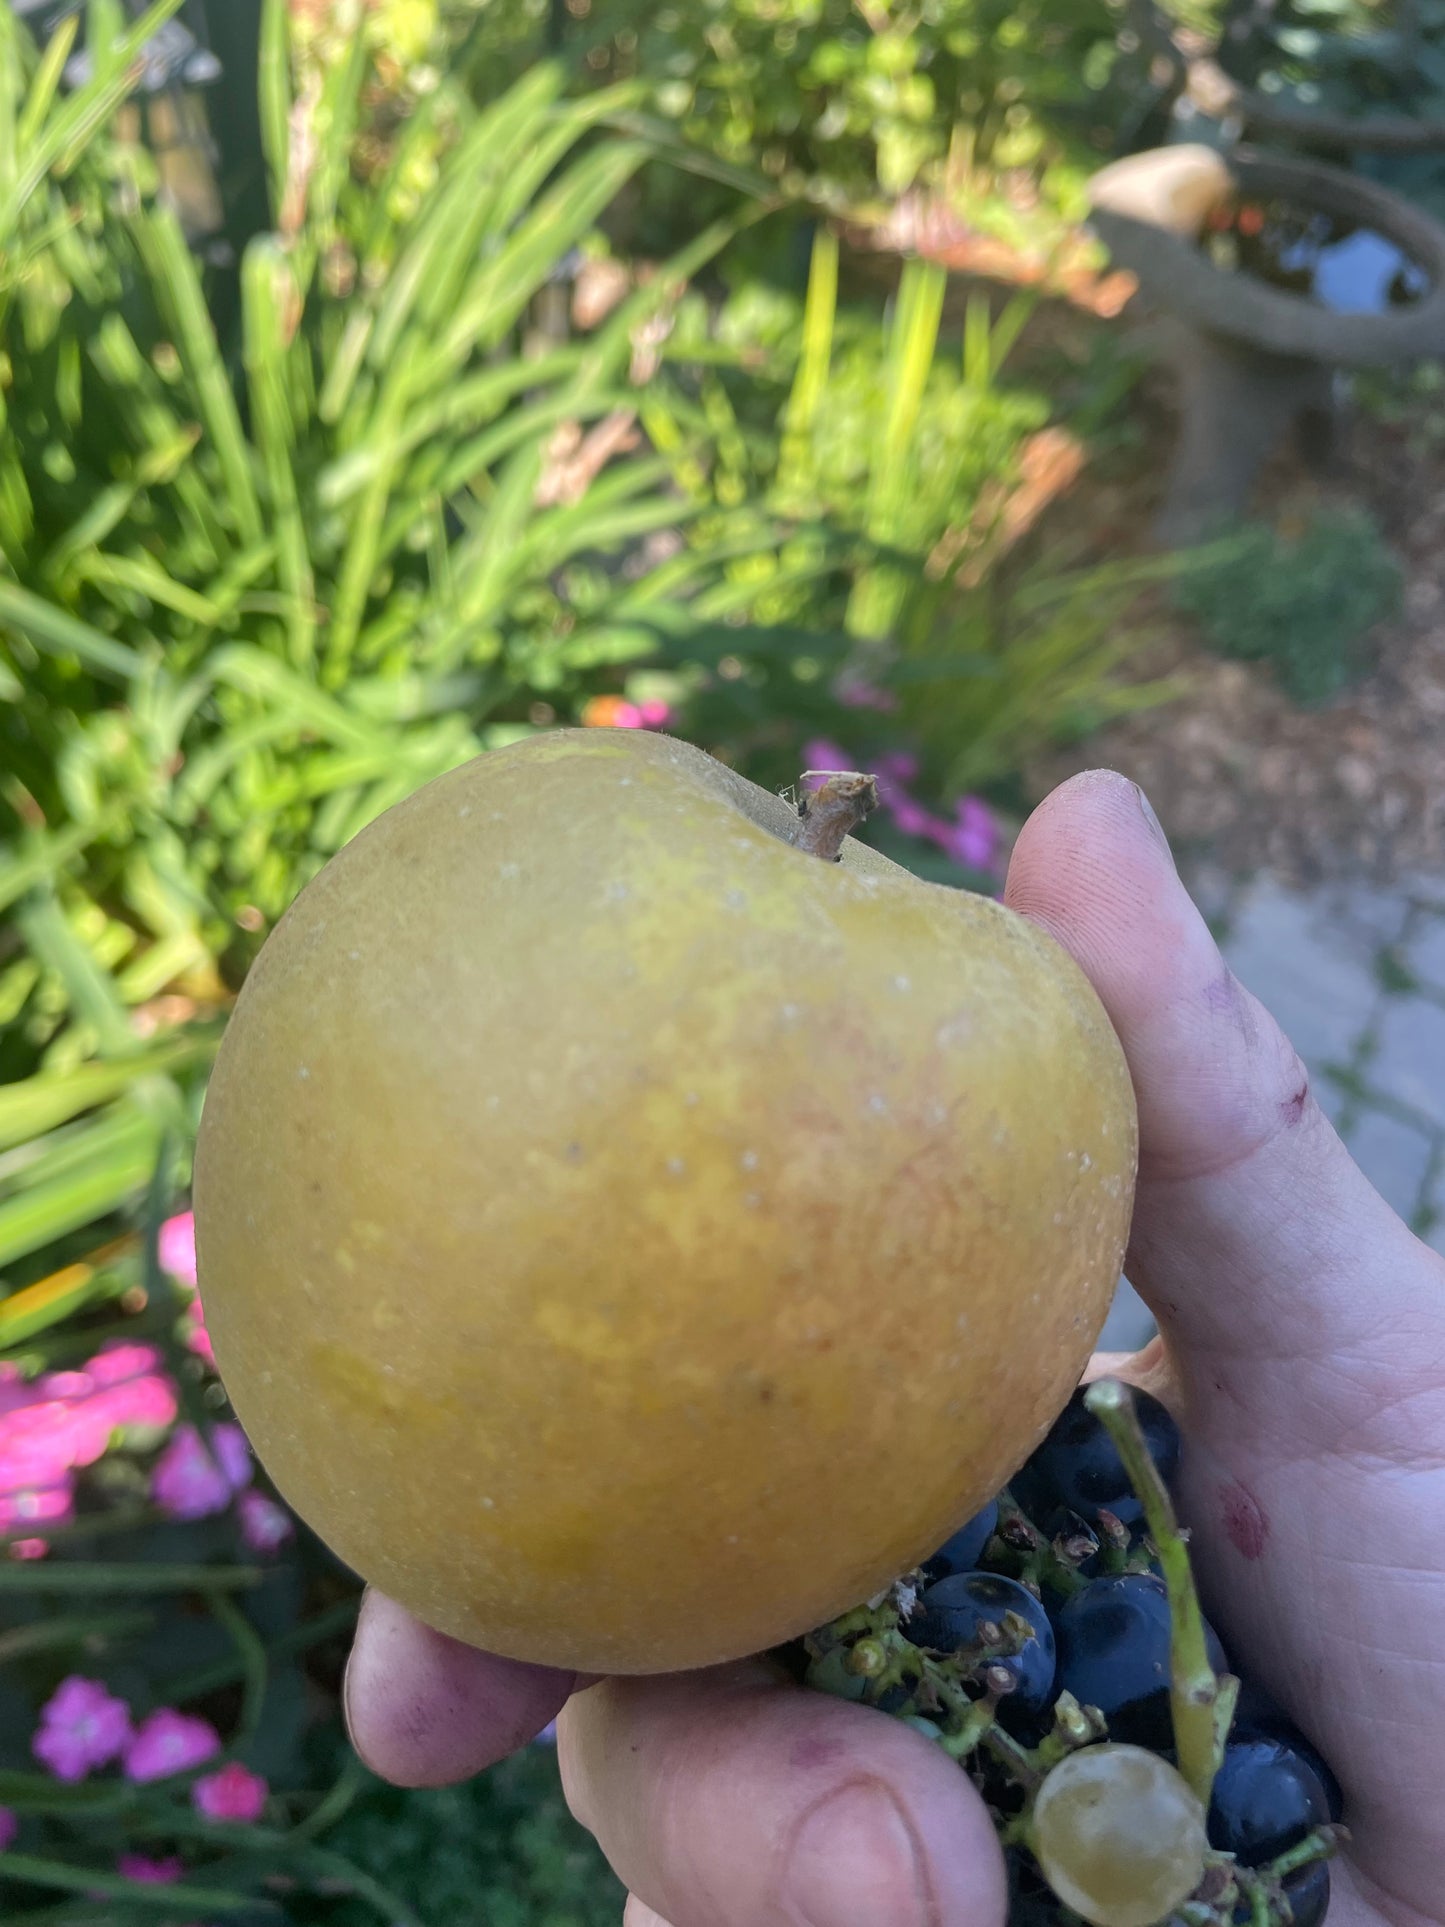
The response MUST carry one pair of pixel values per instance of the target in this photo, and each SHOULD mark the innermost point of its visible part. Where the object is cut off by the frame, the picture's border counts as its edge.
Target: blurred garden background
(382, 381)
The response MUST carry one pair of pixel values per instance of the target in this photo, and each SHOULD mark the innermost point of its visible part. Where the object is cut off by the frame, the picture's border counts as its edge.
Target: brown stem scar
(828, 816)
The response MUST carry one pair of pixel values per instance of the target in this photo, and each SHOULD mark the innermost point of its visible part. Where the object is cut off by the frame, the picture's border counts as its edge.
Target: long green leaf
(274, 64)
(79, 1181)
(47, 80)
(19, 874)
(89, 988)
(102, 1576)
(178, 288)
(88, 108)
(58, 633)
(181, 1898)
(268, 291)
(42, 1103)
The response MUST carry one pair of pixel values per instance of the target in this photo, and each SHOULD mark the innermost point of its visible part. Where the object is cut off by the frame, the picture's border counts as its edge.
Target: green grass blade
(51, 1098)
(47, 80)
(267, 294)
(42, 864)
(503, 286)
(67, 1576)
(820, 308)
(57, 633)
(145, 576)
(39, 1307)
(87, 109)
(179, 1899)
(12, 76)
(178, 289)
(83, 1177)
(274, 63)
(89, 988)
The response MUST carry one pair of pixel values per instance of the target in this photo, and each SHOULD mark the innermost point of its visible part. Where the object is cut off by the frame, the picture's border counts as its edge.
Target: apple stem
(828, 815)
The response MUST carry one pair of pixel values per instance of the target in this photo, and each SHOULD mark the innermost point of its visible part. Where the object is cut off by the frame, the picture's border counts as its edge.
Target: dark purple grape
(1077, 1469)
(1257, 1716)
(1307, 1891)
(1113, 1639)
(950, 1614)
(963, 1551)
(1266, 1799)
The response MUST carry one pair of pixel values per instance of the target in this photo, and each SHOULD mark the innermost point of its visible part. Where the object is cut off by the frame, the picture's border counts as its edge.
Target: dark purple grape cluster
(1044, 1627)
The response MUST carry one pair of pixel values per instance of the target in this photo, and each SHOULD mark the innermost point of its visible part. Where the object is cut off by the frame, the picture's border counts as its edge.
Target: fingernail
(1146, 810)
(855, 1863)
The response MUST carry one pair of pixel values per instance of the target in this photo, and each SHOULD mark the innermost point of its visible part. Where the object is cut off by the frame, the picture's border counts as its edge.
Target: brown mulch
(1243, 777)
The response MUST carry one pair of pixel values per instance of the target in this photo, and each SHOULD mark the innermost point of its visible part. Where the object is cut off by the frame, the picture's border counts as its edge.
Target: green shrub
(501, 1851)
(1303, 603)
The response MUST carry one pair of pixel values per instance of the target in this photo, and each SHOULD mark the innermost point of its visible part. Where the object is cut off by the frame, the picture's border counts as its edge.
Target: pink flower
(16, 1391)
(177, 1247)
(822, 756)
(81, 1726)
(265, 1526)
(897, 766)
(29, 1548)
(974, 837)
(31, 1503)
(854, 693)
(188, 1483)
(61, 1421)
(195, 1336)
(155, 1873)
(170, 1742)
(9, 1827)
(125, 1389)
(230, 1793)
(615, 712)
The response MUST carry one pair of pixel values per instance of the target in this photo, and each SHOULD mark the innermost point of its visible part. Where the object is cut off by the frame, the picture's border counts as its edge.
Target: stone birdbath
(1255, 360)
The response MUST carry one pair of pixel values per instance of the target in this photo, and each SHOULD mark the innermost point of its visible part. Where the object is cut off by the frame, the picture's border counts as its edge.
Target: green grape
(830, 1674)
(1119, 1836)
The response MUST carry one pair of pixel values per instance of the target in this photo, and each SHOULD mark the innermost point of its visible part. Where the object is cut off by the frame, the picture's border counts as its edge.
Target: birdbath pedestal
(1253, 360)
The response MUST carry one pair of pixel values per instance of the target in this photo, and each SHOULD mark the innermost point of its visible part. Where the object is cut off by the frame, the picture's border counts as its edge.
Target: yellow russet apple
(630, 1241)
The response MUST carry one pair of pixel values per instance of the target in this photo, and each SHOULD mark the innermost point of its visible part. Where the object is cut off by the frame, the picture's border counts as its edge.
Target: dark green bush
(1303, 603)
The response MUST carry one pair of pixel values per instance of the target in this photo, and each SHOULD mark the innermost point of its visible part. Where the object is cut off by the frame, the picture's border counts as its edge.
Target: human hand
(1303, 1351)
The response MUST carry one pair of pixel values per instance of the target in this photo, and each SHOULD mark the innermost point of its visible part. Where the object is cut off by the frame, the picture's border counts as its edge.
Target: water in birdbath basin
(1322, 257)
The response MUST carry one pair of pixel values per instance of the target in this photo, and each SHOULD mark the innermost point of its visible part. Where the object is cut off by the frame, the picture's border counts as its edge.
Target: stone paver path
(1357, 979)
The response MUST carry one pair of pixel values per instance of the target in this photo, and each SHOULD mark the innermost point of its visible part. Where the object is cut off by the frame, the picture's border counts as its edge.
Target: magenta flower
(265, 1526)
(854, 693)
(230, 1793)
(81, 1726)
(28, 1503)
(16, 1390)
(897, 766)
(170, 1742)
(125, 1388)
(820, 754)
(155, 1873)
(9, 1827)
(177, 1247)
(188, 1483)
(195, 1336)
(974, 837)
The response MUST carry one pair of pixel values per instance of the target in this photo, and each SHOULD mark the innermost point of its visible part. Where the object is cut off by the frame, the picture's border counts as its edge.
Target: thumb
(1255, 1237)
